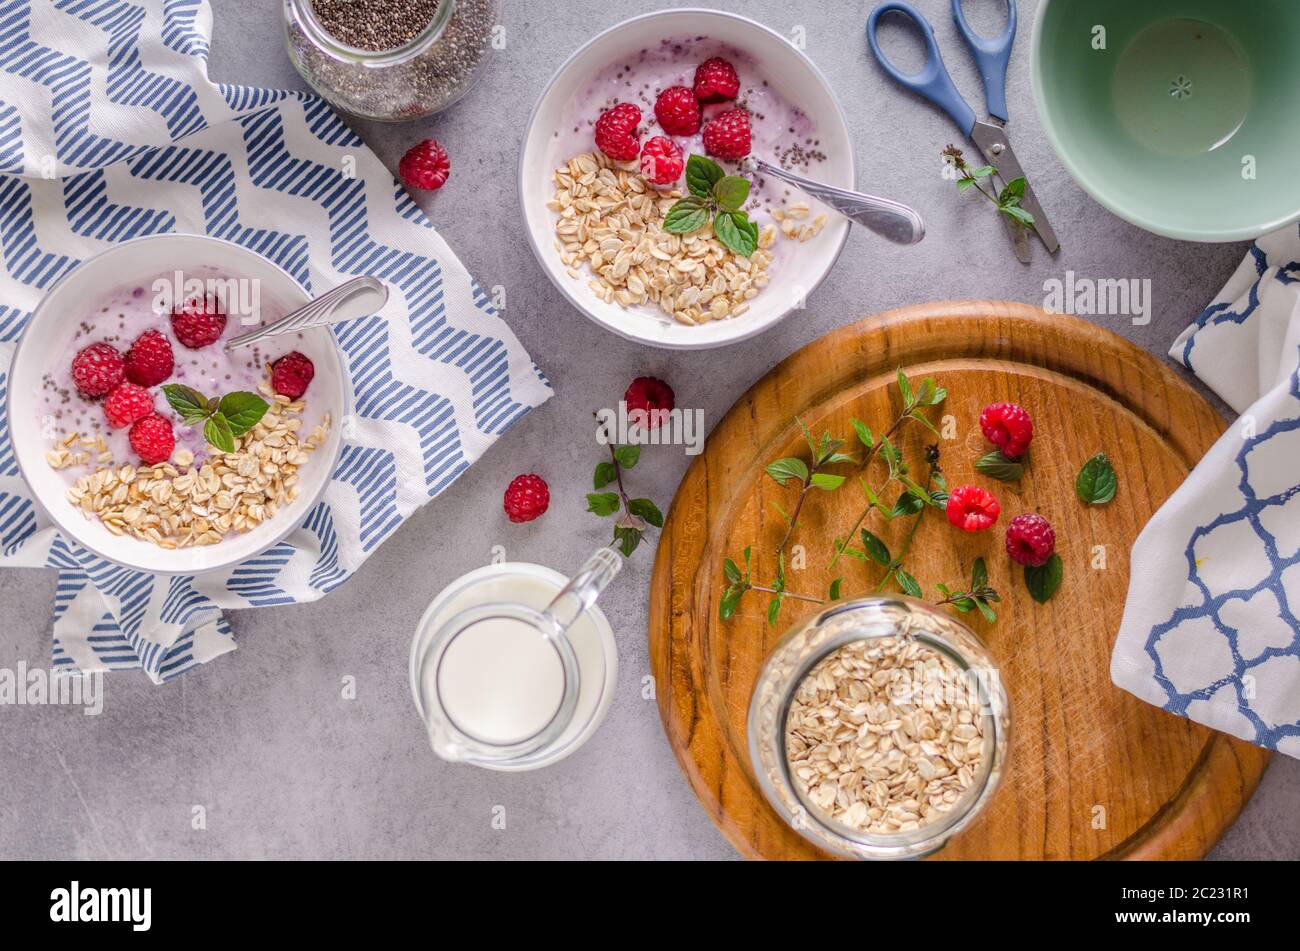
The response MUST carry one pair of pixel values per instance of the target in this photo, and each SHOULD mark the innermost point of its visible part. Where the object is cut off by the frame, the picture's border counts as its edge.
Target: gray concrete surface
(261, 739)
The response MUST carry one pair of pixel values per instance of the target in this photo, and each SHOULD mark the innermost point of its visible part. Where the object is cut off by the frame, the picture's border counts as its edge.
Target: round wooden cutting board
(1093, 771)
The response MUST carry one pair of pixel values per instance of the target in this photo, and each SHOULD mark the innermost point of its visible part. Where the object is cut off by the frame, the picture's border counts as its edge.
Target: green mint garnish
(997, 466)
(1043, 580)
(224, 420)
(1097, 482)
(714, 196)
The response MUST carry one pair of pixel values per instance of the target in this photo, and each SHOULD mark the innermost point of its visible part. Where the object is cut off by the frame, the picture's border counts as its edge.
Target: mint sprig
(223, 420)
(714, 197)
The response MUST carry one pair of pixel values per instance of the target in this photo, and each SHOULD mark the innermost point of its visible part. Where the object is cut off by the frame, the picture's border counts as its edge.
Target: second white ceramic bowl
(46, 337)
(802, 266)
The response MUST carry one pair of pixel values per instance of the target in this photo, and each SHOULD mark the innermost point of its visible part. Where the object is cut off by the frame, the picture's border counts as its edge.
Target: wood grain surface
(1093, 771)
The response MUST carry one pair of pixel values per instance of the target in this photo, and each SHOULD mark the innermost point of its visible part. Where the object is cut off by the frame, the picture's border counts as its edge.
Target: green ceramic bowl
(1178, 115)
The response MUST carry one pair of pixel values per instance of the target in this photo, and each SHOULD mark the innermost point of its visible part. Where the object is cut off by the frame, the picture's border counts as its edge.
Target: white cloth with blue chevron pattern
(1210, 627)
(109, 129)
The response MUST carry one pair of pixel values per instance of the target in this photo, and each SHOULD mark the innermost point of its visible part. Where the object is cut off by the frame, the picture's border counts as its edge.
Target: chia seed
(374, 25)
(395, 70)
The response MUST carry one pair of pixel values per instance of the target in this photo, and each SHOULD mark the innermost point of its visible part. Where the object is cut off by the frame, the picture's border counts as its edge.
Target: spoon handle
(890, 219)
(355, 298)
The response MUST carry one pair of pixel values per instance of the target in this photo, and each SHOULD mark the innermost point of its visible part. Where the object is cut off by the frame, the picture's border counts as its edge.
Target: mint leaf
(242, 410)
(701, 175)
(773, 611)
(731, 192)
(1044, 580)
(730, 601)
(217, 432)
(876, 550)
(628, 456)
(827, 482)
(979, 575)
(189, 403)
(997, 466)
(788, 468)
(864, 434)
(1018, 214)
(736, 231)
(907, 583)
(627, 539)
(984, 171)
(1014, 191)
(602, 503)
(835, 589)
(731, 570)
(1097, 482)
(689, 214)
(604, 475)
(905, 388)
(644, 508)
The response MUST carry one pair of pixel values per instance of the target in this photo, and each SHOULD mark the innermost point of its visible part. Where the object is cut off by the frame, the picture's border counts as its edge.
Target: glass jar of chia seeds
(879, 728)
(380, 60)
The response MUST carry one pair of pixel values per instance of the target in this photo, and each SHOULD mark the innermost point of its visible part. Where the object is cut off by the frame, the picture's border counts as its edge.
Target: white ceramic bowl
(46, 337)
(789, 72)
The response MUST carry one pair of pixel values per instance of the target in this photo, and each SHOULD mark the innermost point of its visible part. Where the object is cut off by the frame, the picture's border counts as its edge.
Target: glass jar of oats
(380, 60)
(879, 728)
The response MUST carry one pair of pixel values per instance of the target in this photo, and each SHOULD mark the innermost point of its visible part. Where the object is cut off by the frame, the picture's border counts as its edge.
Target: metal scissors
(934, 83)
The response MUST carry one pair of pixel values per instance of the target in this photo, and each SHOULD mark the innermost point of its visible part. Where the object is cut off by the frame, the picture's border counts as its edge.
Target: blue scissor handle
(991, 56)
(933, 81)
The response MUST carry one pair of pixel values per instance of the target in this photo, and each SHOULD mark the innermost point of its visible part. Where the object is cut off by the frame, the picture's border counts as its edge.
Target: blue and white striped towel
(1211, 629)
(109, 129)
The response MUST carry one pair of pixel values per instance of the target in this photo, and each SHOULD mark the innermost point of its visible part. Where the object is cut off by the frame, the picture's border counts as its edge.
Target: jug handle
(582, 590)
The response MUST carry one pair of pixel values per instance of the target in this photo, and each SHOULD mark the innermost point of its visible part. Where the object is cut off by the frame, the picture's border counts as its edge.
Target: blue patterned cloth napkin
(110, 129)
(1210, 628)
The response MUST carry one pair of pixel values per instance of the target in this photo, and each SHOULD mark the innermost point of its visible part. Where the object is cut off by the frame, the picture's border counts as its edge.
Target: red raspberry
(126, 404)
(716, 80)
(291, 374)
(526, 498)
(678, 111)
(972, 509)
(1030, 540)
(97, 370)
(152, 439)
(648, 401)
(425, 166)
(150, 359)
(1008, 427)
(198, 324)
(616, 132)
(726, 135)
(661, 161)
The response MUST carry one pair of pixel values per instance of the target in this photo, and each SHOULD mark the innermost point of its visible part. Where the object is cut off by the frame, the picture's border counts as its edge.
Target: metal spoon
(890, 219)
(355, 298)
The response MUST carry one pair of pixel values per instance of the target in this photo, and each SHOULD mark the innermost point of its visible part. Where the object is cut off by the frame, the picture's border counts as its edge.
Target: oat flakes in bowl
(56, 444)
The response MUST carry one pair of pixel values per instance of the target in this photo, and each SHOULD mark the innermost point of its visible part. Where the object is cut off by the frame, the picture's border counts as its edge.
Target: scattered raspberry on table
(716, 81)
(198, 323)
(972, 509)
(662, 162)
(527, 497)
(425, 166)
(150, 360)
(152, 439)
(1008, 427)
(291, 374)
(727, 135)
(648, 400)
(678, 111)
(97, 370)
(1031, 540)
(616, 132)
(126, 404)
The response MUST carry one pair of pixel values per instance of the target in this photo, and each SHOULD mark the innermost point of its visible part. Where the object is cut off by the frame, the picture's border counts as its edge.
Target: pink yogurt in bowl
(796, 121)
(113, 297)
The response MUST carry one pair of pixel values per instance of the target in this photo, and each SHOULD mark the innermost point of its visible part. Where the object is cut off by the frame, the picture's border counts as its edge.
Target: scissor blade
(992, 141)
